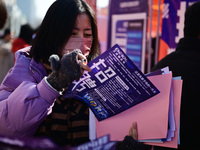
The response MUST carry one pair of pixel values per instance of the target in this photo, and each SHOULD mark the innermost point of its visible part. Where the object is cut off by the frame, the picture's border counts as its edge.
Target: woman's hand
(65, 71)
(82, 60)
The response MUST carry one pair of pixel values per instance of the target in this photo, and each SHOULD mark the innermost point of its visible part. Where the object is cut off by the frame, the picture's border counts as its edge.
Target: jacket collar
(37, 70)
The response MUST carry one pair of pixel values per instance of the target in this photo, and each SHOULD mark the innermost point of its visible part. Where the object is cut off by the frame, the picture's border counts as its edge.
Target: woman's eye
(88, 35)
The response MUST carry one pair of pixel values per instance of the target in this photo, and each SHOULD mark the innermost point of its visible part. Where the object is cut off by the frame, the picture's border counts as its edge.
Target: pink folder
(151, 115)
(177, 90)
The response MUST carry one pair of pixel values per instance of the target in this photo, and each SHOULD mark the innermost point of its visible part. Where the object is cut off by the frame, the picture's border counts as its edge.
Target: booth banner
(172, 25)
(127, 28)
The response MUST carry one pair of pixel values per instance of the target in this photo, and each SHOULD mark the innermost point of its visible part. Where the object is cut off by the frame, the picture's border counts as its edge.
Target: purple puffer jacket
(25, 98)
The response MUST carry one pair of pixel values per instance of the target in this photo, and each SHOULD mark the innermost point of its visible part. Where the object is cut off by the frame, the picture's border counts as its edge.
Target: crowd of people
(31, 93)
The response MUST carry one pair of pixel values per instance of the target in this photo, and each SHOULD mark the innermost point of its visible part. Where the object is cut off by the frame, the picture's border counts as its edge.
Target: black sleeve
(130, 144)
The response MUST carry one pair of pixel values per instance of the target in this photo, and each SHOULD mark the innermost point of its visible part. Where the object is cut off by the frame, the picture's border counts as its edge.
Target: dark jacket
(185, 62)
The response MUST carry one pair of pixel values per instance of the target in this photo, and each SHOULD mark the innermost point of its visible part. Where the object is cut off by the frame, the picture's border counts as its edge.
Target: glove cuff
(47, 82)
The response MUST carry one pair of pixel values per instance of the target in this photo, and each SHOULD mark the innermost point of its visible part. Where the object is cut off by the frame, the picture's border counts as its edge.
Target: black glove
(131, 144)
(64, 71)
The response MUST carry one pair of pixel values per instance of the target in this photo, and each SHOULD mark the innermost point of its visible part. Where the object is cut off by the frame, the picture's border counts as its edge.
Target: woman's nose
(85, 49)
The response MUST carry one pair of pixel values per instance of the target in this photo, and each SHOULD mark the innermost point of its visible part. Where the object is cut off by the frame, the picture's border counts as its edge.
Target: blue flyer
(114, 85)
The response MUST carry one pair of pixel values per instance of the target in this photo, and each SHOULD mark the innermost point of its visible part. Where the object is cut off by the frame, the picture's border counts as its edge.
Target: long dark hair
(57, 26)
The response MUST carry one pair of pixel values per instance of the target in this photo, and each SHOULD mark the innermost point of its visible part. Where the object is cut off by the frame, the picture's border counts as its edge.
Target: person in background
(6, 56)
(24, 39)
(185, 62)
(3, 14)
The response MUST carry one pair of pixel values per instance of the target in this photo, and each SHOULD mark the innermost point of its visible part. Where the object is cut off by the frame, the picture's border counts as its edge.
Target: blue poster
(134, 41)
(127, 28)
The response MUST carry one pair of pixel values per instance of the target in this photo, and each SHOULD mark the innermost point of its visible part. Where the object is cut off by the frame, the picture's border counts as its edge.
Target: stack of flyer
(118, 94)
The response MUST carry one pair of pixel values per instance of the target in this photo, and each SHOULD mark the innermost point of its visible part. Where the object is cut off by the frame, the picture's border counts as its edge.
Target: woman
(79, 30)
(24, 39)
(31, 100)
(29, 90)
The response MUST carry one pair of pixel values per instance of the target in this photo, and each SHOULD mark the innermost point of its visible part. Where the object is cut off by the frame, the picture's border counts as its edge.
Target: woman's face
(81, 37)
